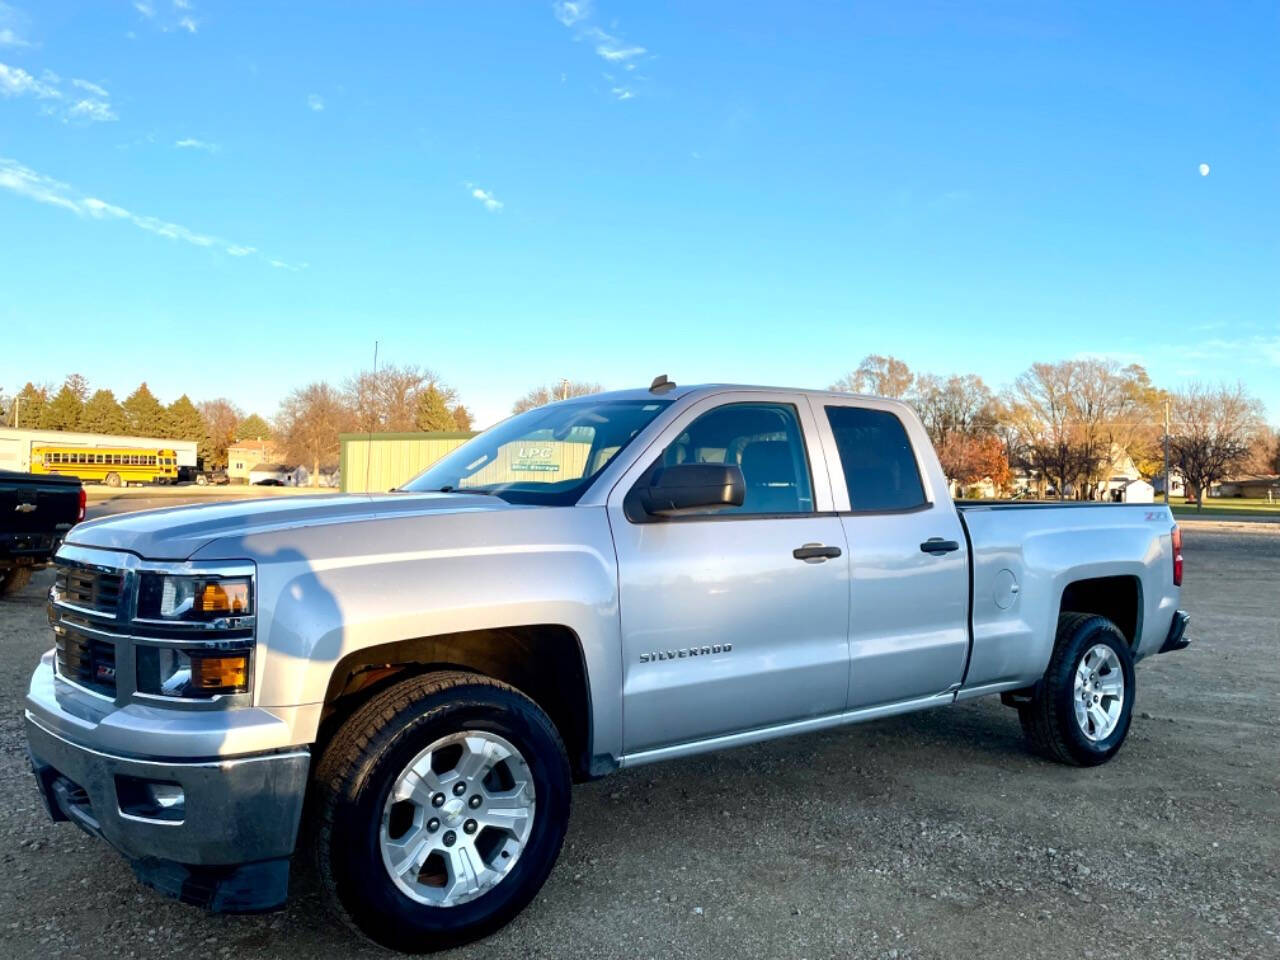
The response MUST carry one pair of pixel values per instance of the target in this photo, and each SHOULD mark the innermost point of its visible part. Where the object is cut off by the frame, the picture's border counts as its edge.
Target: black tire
(355, 776)
(13, 580)
(1049, 720)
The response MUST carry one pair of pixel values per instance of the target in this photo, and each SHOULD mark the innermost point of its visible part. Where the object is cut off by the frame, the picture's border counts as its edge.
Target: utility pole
(16, 401)
(1167, 491)
(564, 388)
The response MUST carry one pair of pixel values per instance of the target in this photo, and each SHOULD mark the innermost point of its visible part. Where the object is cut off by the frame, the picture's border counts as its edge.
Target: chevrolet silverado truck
(406, 684)
(36, 512)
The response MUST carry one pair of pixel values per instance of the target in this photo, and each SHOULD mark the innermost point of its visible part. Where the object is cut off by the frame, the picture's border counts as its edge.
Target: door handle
(815, 553)
(937, 546)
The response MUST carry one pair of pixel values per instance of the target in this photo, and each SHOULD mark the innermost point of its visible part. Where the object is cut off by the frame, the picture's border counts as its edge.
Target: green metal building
(379, 461)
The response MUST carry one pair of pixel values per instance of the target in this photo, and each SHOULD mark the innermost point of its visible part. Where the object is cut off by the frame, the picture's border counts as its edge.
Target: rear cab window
(879, 464)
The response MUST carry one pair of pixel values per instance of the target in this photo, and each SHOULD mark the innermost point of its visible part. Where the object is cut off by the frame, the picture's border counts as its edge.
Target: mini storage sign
(535, 459)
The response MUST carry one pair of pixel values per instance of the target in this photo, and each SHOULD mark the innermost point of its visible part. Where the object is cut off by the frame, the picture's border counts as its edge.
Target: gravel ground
(933, 835)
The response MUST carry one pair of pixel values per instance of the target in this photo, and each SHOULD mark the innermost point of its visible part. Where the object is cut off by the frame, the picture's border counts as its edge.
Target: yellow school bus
(114, 466)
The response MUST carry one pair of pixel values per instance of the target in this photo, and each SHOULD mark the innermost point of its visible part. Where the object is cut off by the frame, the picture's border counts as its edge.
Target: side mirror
(693, 486)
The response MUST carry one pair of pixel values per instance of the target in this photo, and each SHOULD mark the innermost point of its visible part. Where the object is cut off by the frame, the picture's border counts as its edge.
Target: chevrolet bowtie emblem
(25, 508)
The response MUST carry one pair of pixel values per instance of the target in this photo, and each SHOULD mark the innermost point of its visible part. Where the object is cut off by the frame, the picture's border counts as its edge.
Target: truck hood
(175, 533)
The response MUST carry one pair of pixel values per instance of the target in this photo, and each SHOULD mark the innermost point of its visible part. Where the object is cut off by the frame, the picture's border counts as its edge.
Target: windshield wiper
(450, 488)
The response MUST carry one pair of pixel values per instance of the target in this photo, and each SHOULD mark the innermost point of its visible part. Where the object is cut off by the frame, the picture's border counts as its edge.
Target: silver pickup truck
(406, 684)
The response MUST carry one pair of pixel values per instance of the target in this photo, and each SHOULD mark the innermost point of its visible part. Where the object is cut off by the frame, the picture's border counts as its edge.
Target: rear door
(724, 627)
(909, 573)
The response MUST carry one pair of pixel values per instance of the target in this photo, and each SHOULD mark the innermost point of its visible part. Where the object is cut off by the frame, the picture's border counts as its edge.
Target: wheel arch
(1118, 598)
(545, 662)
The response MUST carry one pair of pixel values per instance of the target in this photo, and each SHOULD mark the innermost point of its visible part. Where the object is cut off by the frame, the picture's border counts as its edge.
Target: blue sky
(235, 199)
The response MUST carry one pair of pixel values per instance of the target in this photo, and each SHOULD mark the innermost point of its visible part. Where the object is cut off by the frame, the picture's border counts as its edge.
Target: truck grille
(87, 661)
(90, 589)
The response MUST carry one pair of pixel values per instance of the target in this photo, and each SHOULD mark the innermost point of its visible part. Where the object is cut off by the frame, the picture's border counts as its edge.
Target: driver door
(724, 627)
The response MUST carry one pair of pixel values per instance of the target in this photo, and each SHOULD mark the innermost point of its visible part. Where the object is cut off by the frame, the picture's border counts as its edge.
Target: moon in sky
(1204, 169)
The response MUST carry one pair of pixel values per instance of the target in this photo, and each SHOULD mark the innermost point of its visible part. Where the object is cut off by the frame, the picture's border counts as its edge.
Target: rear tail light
(83, 500)
(1177, 556)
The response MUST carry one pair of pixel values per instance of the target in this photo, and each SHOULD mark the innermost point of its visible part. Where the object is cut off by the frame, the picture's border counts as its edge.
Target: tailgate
(35, 509)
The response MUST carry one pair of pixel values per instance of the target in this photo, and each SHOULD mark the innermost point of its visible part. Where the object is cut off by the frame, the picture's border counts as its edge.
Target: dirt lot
(933, 835)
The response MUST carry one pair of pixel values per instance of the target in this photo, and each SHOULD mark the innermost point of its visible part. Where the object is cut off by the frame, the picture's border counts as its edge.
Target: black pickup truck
(36, 512)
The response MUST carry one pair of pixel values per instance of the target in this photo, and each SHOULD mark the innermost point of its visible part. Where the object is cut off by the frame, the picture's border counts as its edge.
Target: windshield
(545, 456)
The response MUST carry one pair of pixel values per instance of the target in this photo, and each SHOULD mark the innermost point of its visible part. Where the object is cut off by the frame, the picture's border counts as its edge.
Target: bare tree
(563, 390)
(878, 375)
(1044, 397)
(389, 398)
(308, 425)
(1211, 431)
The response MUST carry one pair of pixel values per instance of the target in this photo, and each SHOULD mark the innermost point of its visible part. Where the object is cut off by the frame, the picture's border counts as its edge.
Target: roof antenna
(661, 384)
(368, 449)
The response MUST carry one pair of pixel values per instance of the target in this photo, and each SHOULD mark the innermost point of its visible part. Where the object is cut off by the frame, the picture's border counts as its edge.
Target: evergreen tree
(63, 411)
(102, 414)
(431, 411)
(461, 419)
(28, 406)
(78, 385)
(183, 422)
(145, 416)
(253, 427)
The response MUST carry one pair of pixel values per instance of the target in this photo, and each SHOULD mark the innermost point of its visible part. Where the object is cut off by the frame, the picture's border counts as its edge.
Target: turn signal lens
(229, 597)
(1177, 556)
(221, 674)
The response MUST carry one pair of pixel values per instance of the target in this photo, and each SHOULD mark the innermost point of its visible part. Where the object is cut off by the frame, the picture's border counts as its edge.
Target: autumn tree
(1211, 431)
(550, 393)
(103, 414)
(221, 417)
(63, 411)
(878, 375)
(309, 423)
(253, 427)
(461, 419)
(972, 458)
(144, 414)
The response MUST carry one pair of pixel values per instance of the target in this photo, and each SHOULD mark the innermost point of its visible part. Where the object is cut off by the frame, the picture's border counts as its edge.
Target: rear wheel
(113, 479)
(13, 580)
(1081, 710)
(440, 809)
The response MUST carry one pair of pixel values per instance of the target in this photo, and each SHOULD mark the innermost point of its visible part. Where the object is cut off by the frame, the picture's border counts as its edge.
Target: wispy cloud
(25, 182)
(12, 24)
(191, 143)
(188, 24)
(570, 12)
(610, 47)
(315, 102)
(144, 8)
(577, 15)
(16, 82)
(491, 203)
(90, 88)
(89, 109)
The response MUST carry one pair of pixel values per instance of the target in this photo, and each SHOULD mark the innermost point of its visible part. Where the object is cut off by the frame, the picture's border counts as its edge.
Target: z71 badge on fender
(704, 651)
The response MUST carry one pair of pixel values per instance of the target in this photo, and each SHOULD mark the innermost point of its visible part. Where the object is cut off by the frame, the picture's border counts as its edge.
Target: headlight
(200, 599)
(192, 672)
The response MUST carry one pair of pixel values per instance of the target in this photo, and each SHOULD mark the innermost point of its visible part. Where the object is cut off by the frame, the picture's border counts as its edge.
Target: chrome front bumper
(224, 837)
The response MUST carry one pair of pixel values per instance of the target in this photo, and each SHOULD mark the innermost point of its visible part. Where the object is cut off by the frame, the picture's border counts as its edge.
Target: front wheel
(113, 479)
(440, 809)
(1081, 709)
